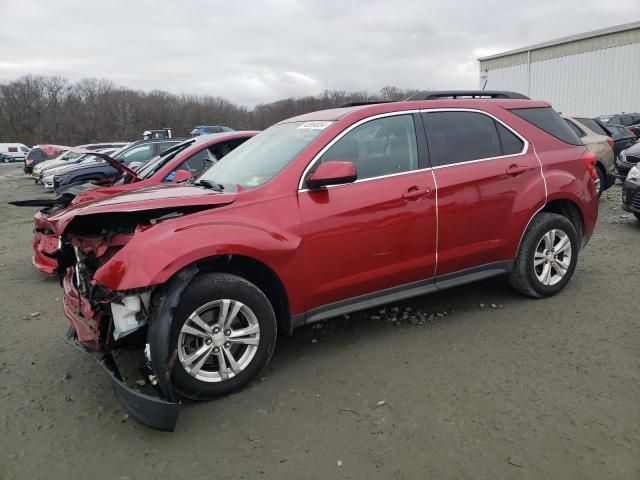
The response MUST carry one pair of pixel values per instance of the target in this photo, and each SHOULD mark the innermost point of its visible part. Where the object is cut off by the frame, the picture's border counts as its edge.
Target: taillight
(610, 141)
(589, 162)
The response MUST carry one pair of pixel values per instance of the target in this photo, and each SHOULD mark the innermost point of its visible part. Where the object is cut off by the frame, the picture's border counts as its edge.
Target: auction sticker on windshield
(315, 125)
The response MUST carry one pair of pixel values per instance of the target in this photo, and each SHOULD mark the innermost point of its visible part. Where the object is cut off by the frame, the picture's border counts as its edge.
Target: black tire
(603, 178)
(637, 215)
(206, 288)
(523, 277)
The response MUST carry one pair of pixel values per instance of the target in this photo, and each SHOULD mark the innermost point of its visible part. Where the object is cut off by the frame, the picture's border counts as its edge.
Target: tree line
(38, 109)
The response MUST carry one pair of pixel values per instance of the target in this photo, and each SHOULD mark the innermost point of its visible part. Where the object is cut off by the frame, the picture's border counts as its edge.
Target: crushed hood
(160, 197)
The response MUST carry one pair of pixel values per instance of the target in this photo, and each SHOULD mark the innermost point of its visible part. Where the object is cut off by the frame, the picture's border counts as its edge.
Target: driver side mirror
(181, 176)
(332, 172)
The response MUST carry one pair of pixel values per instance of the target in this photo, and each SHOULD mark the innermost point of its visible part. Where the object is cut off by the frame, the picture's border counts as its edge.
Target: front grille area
(635, 201)
(632, 158)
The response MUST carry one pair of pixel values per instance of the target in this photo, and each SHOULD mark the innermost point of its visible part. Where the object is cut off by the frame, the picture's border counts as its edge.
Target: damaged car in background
(179, 163)
(318, 216)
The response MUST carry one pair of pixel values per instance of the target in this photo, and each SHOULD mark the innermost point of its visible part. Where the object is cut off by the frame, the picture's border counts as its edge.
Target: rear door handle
(415, 193)
(514, 169)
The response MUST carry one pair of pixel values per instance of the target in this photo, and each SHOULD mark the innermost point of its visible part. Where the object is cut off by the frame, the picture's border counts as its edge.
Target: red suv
(176, 164)
(318, 216)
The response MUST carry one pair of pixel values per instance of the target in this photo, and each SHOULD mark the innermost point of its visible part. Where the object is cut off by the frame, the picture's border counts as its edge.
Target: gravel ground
(475, 382)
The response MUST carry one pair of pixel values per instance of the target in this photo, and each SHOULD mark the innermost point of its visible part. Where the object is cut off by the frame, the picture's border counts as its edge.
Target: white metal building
(592, 73)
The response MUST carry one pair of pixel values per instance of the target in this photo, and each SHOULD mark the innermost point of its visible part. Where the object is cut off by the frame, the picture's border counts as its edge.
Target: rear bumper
(151, 411)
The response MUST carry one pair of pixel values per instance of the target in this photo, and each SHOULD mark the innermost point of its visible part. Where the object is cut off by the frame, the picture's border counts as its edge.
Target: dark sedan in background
(628, 159)
(631, 192)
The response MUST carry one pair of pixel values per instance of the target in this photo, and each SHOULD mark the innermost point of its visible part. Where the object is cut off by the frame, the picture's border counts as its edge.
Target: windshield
(261, 158)
(150, 167)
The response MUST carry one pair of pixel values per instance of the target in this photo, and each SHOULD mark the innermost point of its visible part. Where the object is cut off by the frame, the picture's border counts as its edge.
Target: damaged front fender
(159, 330)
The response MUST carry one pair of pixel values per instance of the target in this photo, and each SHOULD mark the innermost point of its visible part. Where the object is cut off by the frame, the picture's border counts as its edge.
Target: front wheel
(547, 256)
(224, 332)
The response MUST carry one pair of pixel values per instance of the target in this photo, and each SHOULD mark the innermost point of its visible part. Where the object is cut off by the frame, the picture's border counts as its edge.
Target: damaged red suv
(176, 164)
(317, 216)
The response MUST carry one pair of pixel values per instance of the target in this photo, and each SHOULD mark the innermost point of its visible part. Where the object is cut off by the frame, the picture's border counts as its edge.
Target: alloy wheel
(218, 340)
(552, 257)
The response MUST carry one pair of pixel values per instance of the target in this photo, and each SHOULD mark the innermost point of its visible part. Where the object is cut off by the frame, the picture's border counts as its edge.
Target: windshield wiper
(209, 184)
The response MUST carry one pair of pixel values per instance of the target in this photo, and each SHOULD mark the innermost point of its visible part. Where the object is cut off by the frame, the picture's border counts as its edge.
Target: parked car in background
(131, 156)
(628, 159)
(161, 133)
(16, 150)
(178, 164)
(49, 173)
(318, 216)
(6, 158)
(204, 129)
(629, 120)
(622, 136)
(602, 148)
(59, 160)
(65, 157)
(41, 153)
(631, 192)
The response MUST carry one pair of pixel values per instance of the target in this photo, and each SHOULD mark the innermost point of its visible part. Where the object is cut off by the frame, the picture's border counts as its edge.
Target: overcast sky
(252, 51)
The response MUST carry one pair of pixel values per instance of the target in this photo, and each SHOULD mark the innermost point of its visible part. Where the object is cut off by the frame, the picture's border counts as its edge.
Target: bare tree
(37, 109)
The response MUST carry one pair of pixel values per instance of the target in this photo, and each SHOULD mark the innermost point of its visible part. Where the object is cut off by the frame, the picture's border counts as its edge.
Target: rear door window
(511, 144)
(548, 120)
(459, 136)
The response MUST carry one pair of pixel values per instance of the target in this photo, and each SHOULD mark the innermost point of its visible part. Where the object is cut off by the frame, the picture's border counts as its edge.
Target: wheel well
(567, 209)
(261, 276)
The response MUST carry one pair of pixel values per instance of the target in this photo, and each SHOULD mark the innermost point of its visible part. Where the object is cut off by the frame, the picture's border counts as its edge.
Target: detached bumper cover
(44, 247)
(151, 411)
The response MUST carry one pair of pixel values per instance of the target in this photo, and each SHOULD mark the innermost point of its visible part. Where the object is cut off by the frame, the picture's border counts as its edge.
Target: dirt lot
(528, 389)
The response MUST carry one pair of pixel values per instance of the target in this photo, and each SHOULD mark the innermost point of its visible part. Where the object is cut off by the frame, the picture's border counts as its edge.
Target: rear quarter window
(592, 125)
(548, 120)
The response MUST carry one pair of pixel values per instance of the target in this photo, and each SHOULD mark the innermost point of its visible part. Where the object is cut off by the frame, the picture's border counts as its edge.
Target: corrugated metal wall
(590, 83)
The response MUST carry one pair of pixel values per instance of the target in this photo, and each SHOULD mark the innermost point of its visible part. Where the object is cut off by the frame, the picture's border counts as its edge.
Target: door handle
(415, 193)
(514, 169)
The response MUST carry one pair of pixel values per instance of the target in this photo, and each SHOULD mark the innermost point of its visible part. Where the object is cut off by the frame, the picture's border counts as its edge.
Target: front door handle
(514, 169)
(415, 193)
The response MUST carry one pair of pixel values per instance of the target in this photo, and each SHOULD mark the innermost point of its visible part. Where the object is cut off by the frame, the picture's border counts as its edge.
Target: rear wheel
(637, 214)
(224, 332)
(547, 256)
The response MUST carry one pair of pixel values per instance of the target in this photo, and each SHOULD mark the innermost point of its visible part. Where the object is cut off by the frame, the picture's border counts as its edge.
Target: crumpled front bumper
(43, 247)
(148, 410)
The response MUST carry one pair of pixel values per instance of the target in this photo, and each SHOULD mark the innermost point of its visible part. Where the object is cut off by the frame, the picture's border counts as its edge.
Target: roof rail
(360, 104)
(448, 94)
